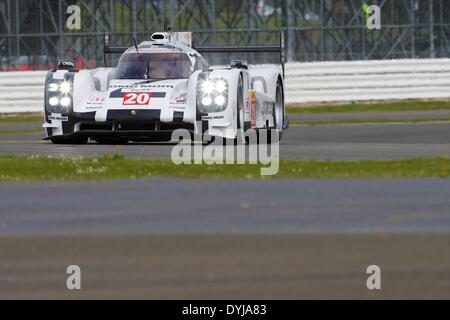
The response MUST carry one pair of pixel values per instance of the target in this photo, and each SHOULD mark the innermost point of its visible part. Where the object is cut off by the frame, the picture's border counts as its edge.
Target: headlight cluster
(212, 95)
(59, 96)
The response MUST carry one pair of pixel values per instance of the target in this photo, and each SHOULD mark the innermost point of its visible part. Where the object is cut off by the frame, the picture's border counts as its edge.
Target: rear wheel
(240, 118)
(279, 108)
(278, 115)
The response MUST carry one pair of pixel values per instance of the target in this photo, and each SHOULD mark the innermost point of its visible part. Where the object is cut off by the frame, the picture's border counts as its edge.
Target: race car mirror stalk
(135, 45)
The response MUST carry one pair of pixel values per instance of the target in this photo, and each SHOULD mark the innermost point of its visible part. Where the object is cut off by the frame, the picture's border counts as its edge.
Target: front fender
(223, 123)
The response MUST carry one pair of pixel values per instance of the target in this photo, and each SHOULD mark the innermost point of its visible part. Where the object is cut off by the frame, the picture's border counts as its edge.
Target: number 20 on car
(136, 98)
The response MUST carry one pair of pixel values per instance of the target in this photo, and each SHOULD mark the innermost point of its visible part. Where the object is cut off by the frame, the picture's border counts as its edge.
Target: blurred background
(34, 35)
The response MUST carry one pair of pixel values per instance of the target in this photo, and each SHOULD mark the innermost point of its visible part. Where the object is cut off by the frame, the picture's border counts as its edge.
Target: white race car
(159, 86)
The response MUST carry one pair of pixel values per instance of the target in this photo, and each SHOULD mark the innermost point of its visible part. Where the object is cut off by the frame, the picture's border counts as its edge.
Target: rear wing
(280, 49)
(183, 37)
(110, 50)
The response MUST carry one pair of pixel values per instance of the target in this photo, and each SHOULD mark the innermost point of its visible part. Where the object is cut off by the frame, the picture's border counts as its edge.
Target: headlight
(59, 95)
(53, 101)
(221, 86)
(207, 101)
(212, 95)
(53, 87)
(65, 87)
(220, 101)
(208, 87)
(66, 101)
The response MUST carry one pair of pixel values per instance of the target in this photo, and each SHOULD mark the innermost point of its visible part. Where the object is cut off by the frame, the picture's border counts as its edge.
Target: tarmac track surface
(168, 238)
(375, 141)
(226, 240)
(414, 266)
(172, 206)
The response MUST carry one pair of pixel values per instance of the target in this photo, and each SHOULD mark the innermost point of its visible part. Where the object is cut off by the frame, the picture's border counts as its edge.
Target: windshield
(173, 65)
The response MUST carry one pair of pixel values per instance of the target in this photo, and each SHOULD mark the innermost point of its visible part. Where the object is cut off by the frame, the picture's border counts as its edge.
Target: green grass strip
(14, 132)
(380, 121)
(21, 168)
(372, 107)
(21, 118)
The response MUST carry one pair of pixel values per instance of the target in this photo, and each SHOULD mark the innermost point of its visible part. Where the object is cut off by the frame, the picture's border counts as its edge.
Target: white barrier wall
(305, 83)
(22, 91)
(367, 80)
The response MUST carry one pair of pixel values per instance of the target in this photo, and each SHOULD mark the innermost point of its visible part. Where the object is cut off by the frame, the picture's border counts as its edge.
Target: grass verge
(20, 168)
(13, 132)
(380, 121)
(372, 107)
(20, 118)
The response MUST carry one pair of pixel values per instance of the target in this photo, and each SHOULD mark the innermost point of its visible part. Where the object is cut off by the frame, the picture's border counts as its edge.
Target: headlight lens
(221, 86)
(208, 87)
(59, 96)
(53, 101)
(53, 87)
(206, 101)
(66, 101)
(65, 87)
(220, 101)
(212, 95)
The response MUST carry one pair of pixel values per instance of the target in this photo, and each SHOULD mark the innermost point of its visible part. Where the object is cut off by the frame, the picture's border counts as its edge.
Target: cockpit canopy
(154, 65)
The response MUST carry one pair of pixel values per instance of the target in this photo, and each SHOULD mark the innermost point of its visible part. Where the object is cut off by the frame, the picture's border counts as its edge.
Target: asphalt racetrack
(170, 238)
(343, 142)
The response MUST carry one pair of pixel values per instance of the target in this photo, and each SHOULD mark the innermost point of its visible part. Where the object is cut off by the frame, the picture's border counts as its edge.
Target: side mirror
(239, 64)
(65, 65)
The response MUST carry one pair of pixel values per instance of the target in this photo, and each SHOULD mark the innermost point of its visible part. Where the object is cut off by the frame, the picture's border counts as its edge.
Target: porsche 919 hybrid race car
(159, 86)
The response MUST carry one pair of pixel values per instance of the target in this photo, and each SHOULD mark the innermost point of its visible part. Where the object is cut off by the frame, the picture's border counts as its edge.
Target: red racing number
(136, 98)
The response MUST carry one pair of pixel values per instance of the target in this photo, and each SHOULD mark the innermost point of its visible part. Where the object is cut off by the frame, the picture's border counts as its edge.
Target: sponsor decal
(247, 106)
(119, 94)
(145, 86)
(178, 100)
(95, 99)
(58, 118)
(253, 108)
(136, 98)
(180, 108)
(267, 108)
(212, 117)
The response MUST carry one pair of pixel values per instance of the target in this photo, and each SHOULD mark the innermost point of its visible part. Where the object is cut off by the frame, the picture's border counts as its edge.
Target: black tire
(69, 140)
(278, 112)
(240, 121)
